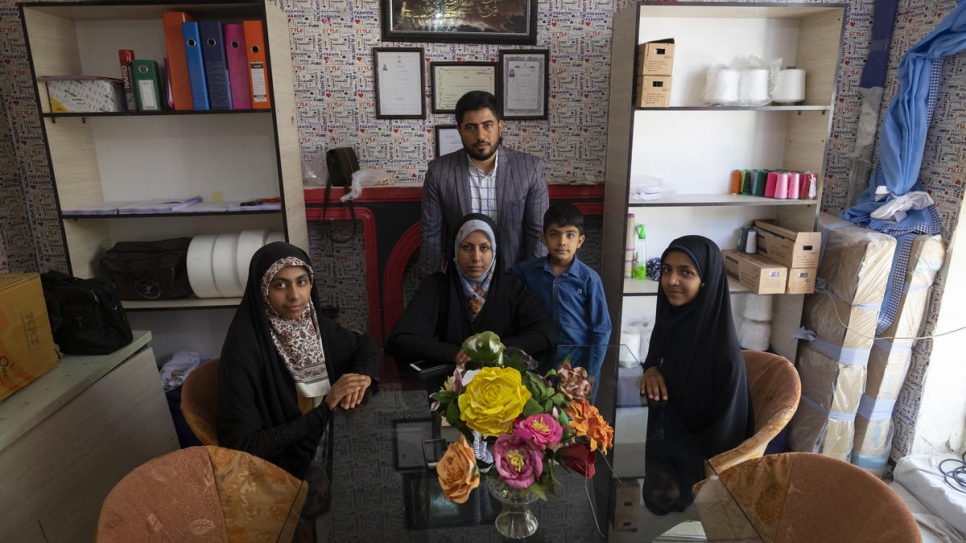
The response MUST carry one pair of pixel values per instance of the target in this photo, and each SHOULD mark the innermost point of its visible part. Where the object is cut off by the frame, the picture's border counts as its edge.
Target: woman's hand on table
(348, 391)
(653, 386)
(461, 358)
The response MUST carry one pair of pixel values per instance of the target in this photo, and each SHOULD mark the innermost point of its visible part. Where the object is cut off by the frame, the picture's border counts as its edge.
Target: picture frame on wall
(447, 139)
(511, 22)
(451, 80)
(399, 81)
(524, 90)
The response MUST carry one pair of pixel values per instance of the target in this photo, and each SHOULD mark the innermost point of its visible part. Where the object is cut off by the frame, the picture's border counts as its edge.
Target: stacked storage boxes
(654, 62)
(891, 355)
(841, 317)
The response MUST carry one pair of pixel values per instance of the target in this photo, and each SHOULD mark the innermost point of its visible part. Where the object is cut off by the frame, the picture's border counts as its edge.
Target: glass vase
(516, 520)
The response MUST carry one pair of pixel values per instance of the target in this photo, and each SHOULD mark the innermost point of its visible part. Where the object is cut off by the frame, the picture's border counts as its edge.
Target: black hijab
(256, 391)
(696, 349)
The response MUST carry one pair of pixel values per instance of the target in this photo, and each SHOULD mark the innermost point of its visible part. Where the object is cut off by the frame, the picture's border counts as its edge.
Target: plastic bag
(366, 178)
(648, 187)
(757, 81)
(314, 171)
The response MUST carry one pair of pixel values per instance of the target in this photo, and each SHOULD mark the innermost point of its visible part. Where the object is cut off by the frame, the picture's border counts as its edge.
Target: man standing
(484, 177)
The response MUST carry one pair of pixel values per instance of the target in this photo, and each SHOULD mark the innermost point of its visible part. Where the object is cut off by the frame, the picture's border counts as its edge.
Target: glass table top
(383, 491)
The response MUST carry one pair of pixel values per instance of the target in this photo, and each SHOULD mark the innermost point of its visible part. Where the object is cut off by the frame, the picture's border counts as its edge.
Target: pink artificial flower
(541, 430)
(517, 461)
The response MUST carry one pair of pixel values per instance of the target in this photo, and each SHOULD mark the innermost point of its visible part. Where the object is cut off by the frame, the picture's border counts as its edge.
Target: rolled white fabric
(753, 87)
(789, 87)
(249, 241)
(754, 335)
(200, 275)
(721, 87)
(631, 338)
(758, 307)
(223, 262)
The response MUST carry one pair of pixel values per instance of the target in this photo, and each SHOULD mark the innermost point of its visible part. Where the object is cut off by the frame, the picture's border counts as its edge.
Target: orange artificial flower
(587, 422)
(457, 471)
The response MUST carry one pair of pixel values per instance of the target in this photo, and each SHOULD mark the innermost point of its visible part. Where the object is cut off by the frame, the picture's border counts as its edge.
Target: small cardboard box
(84, 94)
(626, 506)
(801, 280)
(27, 347)
(757, 274)
(653, 91)
(655, 57)
(787, 247)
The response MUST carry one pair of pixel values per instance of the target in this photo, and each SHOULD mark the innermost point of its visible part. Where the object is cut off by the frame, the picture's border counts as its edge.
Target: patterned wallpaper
(332, 42)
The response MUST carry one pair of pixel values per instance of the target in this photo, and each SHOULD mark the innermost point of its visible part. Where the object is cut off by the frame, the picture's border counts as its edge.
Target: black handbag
(86, 315)
(341, 163)
(149, 270)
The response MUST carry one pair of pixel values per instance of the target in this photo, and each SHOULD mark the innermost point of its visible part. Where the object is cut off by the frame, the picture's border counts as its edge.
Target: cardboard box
(757, 274)
(626, 506)
(787, 247)
(84, 94)
(655, 57)
(653, 91)
(801, 280)
(27, 347)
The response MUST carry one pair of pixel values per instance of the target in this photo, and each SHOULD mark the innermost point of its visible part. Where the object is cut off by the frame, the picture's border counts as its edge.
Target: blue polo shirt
(574, 300)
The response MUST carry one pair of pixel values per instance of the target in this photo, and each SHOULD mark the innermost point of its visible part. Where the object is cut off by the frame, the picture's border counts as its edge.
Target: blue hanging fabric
(901, 145)
(876, 64)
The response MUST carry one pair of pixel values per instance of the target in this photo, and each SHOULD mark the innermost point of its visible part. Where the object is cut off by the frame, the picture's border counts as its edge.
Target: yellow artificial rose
(457, 471)
(492, 400)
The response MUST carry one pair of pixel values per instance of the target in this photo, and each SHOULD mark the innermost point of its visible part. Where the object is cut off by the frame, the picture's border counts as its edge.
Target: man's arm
(538, 200)
(430, 229)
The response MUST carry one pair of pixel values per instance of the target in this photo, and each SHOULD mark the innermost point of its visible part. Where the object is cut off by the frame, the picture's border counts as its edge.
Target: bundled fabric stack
(891, 355)
(840, 322)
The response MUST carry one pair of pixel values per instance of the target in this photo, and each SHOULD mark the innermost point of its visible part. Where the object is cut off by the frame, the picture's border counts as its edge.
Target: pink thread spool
(794, 181)
(781, 188)
(770, 183)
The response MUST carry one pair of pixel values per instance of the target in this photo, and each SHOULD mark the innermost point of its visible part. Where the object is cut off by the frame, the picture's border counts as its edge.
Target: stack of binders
(210, 65)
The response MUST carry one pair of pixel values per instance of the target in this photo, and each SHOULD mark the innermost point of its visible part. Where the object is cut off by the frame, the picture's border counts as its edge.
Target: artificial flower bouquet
(516, 424)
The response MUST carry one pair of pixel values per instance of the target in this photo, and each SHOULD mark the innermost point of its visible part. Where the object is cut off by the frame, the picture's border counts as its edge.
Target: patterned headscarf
(475, 289)
(297, 340)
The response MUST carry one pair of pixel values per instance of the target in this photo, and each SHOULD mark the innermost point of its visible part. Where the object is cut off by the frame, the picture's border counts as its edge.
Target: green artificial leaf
(539, 489)
(531, 408)
(445, 396)
(453, 414)
(547, 406)
(483, 347)
(560, 400)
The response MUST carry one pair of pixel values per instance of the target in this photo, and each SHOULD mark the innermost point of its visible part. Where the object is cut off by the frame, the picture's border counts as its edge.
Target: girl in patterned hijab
(285, 369)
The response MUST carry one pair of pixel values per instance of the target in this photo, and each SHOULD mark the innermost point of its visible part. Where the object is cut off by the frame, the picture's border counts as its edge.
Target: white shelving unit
(221, 155)
(693, 148)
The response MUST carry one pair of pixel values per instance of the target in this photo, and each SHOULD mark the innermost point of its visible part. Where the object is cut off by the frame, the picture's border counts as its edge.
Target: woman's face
(475, 254)
(679, 278)
(289, 292)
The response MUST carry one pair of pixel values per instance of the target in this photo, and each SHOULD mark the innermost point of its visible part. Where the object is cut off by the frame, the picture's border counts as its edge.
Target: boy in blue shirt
(569, 291)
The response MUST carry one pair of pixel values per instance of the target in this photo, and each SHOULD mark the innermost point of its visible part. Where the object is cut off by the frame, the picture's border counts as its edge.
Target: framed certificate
(408, 438)
(399, 80)
(447, 139)
(451, 80)
(523, 84)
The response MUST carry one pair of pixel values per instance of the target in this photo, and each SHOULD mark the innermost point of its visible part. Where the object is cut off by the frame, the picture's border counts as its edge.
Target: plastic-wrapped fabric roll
(753, 87)
(789, 87)
(200, 275)
(631, 338)
(721, 87)
(758, 307)
(223, 261)
(754, 335)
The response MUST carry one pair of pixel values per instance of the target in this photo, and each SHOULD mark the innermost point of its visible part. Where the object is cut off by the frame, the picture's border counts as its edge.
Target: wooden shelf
(180, 303)
(95, 114)
(692, 200)
(647, 287)
(705, 109)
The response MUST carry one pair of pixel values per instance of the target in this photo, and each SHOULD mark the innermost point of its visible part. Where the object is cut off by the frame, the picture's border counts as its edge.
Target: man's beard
(483, 157)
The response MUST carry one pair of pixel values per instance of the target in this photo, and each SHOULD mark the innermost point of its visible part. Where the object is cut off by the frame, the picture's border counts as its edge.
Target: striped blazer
(521, 192)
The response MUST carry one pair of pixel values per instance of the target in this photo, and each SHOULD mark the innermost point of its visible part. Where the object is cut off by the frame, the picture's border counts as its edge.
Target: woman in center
(694, 362)
(470, 297)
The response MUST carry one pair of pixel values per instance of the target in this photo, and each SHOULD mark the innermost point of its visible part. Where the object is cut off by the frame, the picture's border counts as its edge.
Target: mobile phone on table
(424, 368)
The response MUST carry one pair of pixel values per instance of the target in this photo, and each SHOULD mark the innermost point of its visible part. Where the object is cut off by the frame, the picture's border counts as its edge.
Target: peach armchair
(775, 392)
(199, 400)
(802, 498)
(203, 494)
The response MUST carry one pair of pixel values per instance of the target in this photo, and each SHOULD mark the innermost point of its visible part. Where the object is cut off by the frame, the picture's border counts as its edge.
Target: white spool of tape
(753, 87)
(249, 241)
(223, 259)
(789, 87)
(200, 275)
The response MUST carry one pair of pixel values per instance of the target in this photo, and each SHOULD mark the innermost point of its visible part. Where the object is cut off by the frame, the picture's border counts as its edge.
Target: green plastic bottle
(639, 263)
